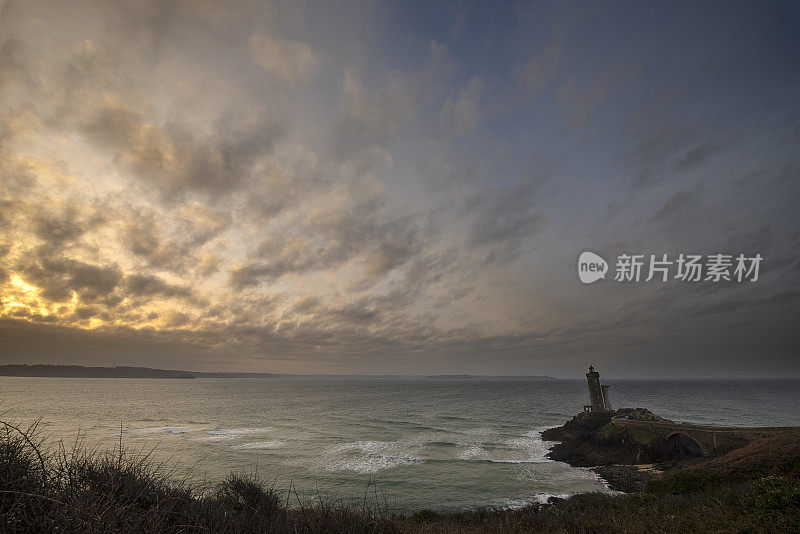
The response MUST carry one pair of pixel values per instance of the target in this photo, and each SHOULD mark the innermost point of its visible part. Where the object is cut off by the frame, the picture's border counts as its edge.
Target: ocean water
(405, 444)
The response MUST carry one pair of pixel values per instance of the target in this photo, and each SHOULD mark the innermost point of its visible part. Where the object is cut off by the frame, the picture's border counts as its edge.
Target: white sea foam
(239, 431)
(257, 445)
(532, 446)
(481, 444)
(539, 498)
(486, 447)
(158, 429)
(471, 453)
(542, 498)
(369, 457)
(224, 434)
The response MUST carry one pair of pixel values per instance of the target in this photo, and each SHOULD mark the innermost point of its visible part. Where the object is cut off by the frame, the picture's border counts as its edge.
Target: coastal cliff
(591, 439)
(631, 447)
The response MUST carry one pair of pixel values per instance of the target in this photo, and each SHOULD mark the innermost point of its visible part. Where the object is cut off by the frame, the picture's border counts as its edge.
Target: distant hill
(490, 377)
(79, 371)
(198, 374)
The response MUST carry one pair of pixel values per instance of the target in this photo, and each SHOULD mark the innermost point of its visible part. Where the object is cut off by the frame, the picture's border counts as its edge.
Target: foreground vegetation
(753, 489)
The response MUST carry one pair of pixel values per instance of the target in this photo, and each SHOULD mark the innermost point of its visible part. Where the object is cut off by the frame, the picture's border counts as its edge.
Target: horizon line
(452, 375)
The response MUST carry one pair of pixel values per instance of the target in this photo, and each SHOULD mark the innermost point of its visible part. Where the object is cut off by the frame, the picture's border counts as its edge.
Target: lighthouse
(598, 394)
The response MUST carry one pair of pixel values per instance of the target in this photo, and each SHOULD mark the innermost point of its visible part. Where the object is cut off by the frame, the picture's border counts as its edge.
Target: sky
(394, 187)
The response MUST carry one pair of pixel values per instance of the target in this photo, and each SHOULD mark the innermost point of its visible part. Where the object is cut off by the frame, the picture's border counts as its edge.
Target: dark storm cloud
(176, 159)
(58, 230)
(657, 148)
(36, 341)
(504, 218)
(358, 312)
(12, 59)
(142, 234)
(57, 278)
(678, 201)
(143, 285)
(504, 213)
(306, 305)
(101, 101)
(357, 232)
(697, 155)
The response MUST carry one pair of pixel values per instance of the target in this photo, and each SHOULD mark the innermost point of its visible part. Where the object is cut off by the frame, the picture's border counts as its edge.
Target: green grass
(633, 435)
(120, 492)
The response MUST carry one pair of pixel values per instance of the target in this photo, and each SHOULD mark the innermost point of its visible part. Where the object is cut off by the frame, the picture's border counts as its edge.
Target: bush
(774, 495)
(423, 516)
(124, 492)
(687, 482)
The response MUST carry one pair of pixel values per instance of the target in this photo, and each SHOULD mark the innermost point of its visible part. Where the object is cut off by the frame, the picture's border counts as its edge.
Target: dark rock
(591, 439)
(627, 478)
(581, 425)
(682, 447)
(606, 448)
(639, 414)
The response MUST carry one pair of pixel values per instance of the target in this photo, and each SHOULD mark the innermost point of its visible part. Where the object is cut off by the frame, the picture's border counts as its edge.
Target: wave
(528, 448)
(258, 445)
(539, 498)
(477, 445)
(224, 434)
(471, 452)
(158, 429)
(453, 418)
(239, 431)
(368, 457)
(448, 444)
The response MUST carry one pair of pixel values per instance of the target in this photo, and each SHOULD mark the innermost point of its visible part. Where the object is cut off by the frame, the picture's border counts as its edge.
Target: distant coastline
(490, 377)
(80, 371)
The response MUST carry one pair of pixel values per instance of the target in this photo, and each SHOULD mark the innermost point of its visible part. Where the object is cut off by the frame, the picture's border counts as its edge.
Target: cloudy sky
(397, 187)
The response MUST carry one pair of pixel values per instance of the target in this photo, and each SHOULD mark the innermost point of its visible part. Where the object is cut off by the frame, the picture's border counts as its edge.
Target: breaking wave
(258, 445)
(478, 445)
(224, 434)
(159, 429)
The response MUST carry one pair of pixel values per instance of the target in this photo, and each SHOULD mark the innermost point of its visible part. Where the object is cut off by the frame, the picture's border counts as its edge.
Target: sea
(395, 444)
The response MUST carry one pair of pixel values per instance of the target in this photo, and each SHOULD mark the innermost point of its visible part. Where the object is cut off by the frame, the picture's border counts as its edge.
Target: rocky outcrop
(631, 446)
(582, 426)
(627, 478)
(681, 447)
(591, 439)
(639, 414)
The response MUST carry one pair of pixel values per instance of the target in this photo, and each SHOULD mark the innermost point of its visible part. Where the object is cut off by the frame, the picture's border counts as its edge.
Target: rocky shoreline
(627, 478)
(627, 460)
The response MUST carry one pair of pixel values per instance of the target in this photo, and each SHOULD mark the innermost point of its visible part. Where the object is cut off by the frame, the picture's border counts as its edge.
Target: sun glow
(25, 287)
(19, 298)
(22, 298)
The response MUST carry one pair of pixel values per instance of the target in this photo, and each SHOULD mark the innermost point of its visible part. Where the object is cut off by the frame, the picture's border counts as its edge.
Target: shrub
(124, 492)
(687, 482)
(773, 495)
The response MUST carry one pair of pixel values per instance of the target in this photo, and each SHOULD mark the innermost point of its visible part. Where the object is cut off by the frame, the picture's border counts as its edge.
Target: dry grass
(121, 492)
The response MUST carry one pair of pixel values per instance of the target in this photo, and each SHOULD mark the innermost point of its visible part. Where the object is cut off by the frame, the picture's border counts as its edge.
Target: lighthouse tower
(598, 394)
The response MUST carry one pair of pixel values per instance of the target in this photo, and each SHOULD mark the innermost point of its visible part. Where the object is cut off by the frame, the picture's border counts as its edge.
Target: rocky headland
(631, 447)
